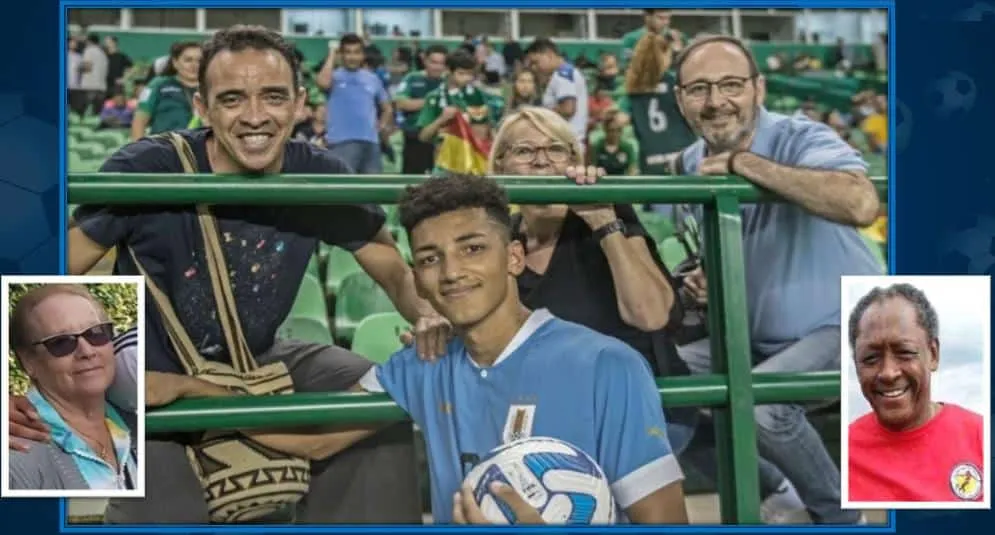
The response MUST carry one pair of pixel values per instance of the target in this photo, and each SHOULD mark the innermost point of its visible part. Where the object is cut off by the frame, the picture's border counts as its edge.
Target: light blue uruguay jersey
(792, 258)
(555, 379)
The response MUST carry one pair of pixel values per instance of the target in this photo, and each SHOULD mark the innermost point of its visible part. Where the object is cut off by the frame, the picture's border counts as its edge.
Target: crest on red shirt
(965, 481)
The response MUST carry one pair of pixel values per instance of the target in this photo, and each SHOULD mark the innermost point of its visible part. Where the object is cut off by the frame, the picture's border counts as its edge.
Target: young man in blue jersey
(512, 373)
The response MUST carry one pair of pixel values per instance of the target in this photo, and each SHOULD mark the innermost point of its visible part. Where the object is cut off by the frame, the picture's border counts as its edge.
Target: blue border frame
(63, 149)
(891, 527)
(892, 127)
(889, 5)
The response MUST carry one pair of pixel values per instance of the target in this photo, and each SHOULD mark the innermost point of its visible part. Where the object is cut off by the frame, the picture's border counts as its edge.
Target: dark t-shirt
(117, 65)
(266, 248)
(577, 286)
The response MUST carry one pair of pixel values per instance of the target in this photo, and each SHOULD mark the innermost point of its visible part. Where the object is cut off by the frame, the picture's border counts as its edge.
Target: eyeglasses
(527, 153)
(730, 86)
(61, 345)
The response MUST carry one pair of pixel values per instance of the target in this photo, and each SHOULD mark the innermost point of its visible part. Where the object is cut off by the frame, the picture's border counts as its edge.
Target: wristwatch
(611, 228)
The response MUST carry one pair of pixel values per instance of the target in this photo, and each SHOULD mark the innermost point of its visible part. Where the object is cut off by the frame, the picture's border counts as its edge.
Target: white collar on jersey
(537, 319)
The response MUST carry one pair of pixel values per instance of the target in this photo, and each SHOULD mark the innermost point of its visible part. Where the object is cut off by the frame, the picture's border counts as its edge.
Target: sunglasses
(61, 345)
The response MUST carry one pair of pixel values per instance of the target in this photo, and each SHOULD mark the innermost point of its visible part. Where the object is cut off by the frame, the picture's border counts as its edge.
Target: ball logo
(965, 481)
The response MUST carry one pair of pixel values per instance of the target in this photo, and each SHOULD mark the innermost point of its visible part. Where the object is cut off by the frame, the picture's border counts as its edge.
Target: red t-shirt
(942, 461)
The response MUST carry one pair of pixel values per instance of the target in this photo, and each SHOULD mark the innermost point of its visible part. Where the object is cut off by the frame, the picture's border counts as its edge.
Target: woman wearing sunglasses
(62, 338)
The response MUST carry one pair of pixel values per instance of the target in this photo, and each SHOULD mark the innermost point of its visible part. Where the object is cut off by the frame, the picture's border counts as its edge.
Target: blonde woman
(593, 264)
(62, 337)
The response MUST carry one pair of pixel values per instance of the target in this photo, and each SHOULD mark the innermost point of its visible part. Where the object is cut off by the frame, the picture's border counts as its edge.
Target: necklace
(105, 452)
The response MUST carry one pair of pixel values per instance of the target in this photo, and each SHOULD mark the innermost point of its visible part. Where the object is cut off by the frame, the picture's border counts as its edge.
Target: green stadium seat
(358, 297)
(110, 139)
(377, 337)
(74, 163)
(672, 252)
(310, 302)
(659, 226)
(314, 267)
(340, 264)
(89, 150)
(305, 330)
(323, 250)
(78, 131)
(393, 215)
(92, 121)
(91, 165)
(73, 119)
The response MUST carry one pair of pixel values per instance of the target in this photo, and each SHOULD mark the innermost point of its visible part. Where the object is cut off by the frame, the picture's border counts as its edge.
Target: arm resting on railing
(316, 443)
(843, 196)
(311, 442)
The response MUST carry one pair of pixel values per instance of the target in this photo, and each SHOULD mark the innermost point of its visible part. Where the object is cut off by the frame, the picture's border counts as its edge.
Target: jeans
(362, 156)
(784, 435)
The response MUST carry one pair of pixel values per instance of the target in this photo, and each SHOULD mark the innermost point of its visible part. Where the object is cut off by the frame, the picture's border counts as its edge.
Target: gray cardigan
(46, 466)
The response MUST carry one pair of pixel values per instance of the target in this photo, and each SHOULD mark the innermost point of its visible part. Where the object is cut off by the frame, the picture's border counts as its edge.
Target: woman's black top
(577, 286)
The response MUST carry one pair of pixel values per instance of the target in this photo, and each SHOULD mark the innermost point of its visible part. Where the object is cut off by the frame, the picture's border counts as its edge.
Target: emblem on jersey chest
(519, 423)
(965, 481)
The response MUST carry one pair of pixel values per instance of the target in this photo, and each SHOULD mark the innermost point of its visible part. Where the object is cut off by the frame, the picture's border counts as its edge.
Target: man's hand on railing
(466, 510)
(717, 165)
(25, 423)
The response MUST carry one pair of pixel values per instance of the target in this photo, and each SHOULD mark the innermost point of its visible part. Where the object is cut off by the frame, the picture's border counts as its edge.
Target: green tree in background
(119, 300)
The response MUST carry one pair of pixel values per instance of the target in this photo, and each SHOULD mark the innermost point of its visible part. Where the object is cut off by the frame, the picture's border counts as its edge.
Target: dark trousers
(419, 157)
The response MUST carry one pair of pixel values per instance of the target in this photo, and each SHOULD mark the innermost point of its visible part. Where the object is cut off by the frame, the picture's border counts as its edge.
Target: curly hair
(650, 59)
(925, 313)
(243, 37)
(451, 192)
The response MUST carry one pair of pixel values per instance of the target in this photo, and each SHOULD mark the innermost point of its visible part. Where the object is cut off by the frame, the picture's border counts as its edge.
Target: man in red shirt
(909, 448)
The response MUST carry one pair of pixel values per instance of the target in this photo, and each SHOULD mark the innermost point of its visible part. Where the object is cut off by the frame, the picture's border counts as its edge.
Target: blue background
(943, 184)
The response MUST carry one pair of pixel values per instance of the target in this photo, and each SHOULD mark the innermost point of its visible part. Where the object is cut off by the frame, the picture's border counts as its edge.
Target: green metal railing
(733, 390)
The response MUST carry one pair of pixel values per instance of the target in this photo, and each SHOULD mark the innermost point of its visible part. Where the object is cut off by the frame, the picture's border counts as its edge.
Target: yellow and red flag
(460, 151)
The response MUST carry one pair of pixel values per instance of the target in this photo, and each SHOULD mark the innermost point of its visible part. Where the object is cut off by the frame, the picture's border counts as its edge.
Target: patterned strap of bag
(242, 479)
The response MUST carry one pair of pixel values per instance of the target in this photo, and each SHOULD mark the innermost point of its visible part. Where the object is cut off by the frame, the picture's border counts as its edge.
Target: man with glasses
(62, 336)
(794, 252)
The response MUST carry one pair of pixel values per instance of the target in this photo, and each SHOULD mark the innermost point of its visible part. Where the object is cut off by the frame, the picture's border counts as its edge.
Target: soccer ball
(562, 482)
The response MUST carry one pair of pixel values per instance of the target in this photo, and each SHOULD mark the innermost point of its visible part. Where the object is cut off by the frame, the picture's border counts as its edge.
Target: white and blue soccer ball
(562, 482)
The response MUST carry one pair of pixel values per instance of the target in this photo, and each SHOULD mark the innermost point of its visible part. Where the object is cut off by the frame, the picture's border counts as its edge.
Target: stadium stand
(338, 301)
